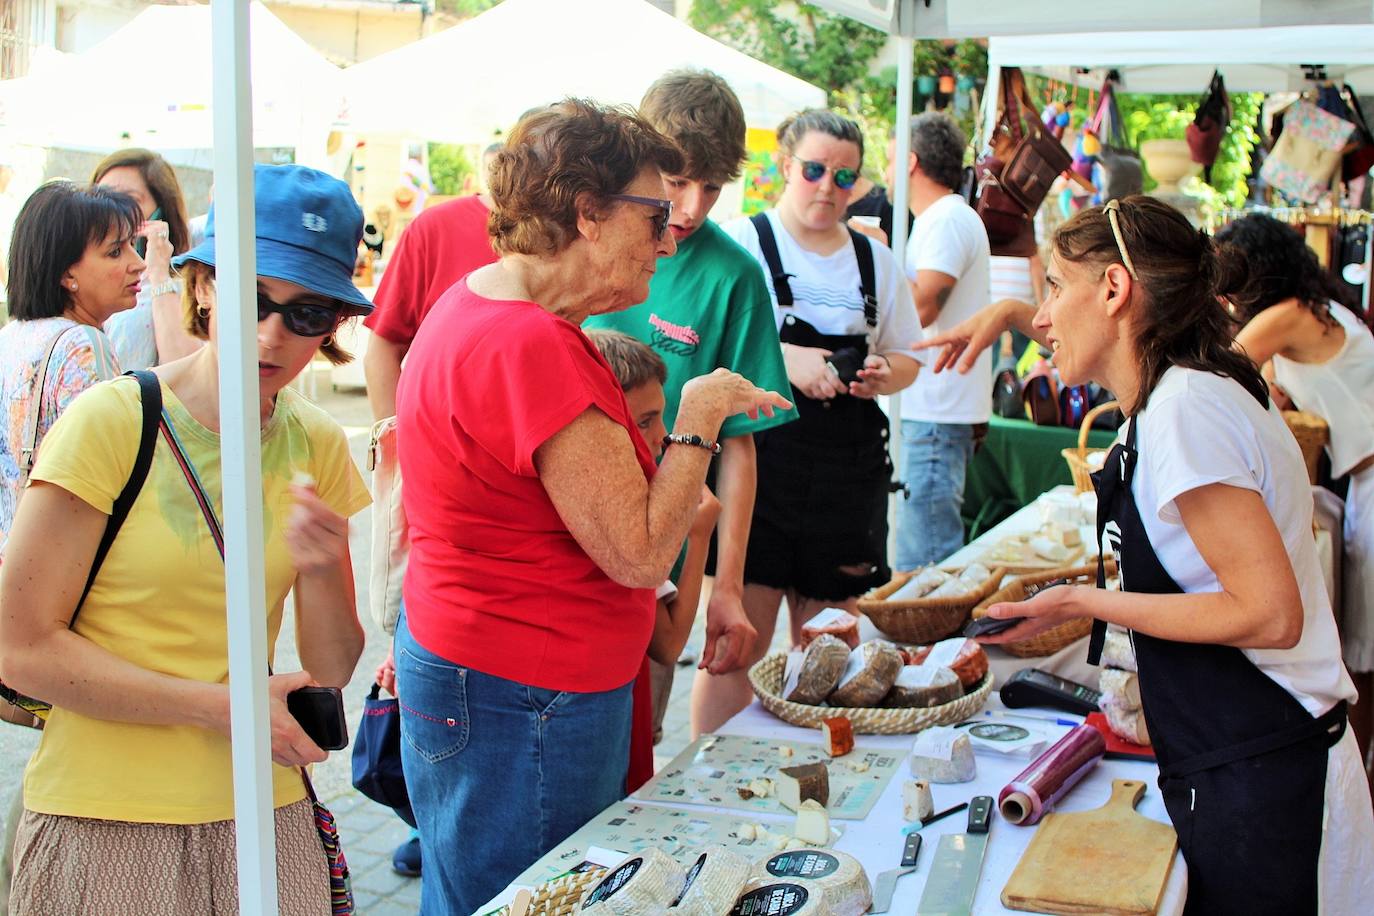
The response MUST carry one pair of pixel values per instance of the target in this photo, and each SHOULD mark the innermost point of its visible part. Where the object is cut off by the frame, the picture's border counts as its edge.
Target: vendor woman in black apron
(845, 317)
(1206, 501)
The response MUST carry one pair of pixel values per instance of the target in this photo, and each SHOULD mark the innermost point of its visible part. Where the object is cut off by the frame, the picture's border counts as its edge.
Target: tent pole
(241, 459)
(900, 192)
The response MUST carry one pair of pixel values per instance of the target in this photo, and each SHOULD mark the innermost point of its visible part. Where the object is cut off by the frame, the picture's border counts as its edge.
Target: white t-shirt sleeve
(898, 326)
(667, 591)
(942, 244)
(1181, 460)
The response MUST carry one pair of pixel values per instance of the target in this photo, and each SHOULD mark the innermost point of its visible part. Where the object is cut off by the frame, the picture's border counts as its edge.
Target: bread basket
(922, 620)
(1056, 638)
(766, 677)
(1077, 458)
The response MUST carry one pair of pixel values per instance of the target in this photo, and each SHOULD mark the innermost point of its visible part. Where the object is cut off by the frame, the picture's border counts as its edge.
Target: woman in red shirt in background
(539, 524)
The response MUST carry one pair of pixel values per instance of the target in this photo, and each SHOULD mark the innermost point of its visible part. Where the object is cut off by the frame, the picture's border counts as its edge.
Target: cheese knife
(953, 879)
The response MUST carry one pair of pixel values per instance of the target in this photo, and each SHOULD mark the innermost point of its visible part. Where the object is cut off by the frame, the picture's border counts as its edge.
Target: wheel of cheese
(837, 622)
(924, 686)
(868, 675)
(644, 883)
(779, 900)
(837, 879)
(714, 882)
(821, 669)
(963, 656)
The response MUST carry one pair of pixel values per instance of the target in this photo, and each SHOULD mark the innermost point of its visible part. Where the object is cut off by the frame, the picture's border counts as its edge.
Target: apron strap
(1098, 637)
(768, 245)
(1330, 724)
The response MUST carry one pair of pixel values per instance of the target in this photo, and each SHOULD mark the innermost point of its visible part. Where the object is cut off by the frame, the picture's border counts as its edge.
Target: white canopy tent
(241, 456)
(469, 82)
(164, 101)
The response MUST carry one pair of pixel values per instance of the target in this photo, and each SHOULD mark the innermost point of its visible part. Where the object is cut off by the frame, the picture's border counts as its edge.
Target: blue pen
(1053, 720)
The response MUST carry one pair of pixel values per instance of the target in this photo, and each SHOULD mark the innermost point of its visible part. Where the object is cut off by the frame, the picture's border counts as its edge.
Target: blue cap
(308, 229)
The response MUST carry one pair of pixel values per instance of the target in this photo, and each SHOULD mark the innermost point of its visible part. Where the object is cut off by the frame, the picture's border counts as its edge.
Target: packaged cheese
(714, 882)
(1121, 684)
(975, 574)
(821, 668)
(835, 621)
(869, 674)
(943, 755)
(919, 585)
(1117, 650)
(1126, 722)
(965, 657)
(835, 877)
(923, 686)
(644, 883)
(951, 588)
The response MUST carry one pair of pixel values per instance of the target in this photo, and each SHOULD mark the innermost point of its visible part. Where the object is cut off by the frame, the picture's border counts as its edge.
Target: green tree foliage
(832, 52)
(449, 165)
(1153, 117)
(464, 9)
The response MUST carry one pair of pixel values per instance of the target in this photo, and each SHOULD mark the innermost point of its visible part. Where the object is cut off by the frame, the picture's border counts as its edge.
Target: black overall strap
(150, 394)
(868, 284)
(768, 244)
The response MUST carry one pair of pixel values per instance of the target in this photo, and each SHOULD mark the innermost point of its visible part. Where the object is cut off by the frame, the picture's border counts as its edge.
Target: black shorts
(818, 508)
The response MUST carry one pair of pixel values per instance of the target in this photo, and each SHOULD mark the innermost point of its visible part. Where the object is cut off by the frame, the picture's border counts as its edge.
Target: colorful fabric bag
(1308, 152)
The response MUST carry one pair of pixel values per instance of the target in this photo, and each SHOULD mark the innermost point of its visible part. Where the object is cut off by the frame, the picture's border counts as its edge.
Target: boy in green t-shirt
(709, 307)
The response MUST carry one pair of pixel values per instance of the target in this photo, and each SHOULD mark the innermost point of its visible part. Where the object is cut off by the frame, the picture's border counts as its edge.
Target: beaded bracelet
(695, 440)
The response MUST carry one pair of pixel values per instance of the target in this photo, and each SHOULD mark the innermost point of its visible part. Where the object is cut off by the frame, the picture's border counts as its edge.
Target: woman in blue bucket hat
(129, 798)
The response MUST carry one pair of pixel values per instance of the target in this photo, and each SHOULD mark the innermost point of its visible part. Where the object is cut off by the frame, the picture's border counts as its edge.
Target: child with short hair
(641, 373)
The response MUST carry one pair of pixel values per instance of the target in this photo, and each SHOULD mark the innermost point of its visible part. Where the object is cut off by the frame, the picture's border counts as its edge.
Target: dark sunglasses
(815, 171)
(659, 219)
(306, 319)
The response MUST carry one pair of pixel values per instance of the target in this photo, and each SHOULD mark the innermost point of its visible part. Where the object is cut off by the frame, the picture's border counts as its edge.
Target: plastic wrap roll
(1039, 786)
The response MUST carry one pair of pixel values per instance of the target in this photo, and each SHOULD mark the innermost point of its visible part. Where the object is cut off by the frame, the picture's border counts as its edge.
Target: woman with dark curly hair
(1320, 353)
(539, 524)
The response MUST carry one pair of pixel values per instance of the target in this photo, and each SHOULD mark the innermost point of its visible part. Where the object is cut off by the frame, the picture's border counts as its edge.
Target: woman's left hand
(873, 377)
(1046, 610)
(316, 535)
(158, 255)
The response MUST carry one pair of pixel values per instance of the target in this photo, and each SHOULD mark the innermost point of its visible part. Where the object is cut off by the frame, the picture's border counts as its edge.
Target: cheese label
(612, 883)
(808, 864)
(691, 876)
(772, 900)
(853, 667)
(829, 617)
(936, 742)
(945, 652)
(914, 676)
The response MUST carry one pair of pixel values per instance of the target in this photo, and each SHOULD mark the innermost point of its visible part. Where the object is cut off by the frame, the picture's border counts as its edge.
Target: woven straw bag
(1052, 640)
(922, 620)
(766, 677)
(1078, 457)
(1312, 434)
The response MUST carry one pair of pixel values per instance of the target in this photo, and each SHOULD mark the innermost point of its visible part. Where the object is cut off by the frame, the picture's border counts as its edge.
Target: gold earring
(203, 311)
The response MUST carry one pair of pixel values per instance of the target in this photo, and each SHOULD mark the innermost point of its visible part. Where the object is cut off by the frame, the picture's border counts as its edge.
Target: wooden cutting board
(1109, 860)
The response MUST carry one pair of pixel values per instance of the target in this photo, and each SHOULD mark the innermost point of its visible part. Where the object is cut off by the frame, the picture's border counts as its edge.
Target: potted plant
(1159, 131)
(928, 58)
(970, 60)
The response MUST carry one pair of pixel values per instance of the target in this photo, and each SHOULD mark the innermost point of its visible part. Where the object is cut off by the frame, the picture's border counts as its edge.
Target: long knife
(953, 879)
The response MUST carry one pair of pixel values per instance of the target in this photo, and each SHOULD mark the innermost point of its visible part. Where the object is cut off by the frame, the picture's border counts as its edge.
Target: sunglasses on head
(659, 219)
(815, 171)
(305, 319)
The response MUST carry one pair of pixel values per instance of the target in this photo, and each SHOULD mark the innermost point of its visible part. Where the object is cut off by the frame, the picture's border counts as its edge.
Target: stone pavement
(369, 832)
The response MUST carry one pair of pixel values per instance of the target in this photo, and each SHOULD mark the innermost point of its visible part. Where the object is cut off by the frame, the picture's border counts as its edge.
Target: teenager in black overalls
(1243, 765)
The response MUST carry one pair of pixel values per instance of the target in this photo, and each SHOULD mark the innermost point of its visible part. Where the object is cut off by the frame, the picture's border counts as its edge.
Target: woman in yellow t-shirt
(129, 798)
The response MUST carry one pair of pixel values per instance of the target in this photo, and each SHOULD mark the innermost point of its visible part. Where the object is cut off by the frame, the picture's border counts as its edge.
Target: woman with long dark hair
(1206, 502)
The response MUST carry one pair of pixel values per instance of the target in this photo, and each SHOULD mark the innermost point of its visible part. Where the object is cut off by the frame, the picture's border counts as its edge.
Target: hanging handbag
(1118, 163)
(1037, 159)
(390, 534)
(377, 771)
(1357, 162)
(1014, 178)
(16, 708)
(1209, 125)
(1308, 152)
(340, 882)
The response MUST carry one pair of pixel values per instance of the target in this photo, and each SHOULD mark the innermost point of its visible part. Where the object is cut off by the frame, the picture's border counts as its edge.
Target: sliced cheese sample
(923, 686)
(837, 734)
(869, 674)
(835, 877)
(807, 782)
(837, 622)
(714, 882)
(917, 802)
(813, 824)
(779, 900)
(821, 669)
(943, 755)
(643, 883)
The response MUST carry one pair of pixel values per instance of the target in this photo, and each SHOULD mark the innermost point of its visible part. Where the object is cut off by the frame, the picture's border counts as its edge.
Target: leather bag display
(1209, 125)
(1118, 162)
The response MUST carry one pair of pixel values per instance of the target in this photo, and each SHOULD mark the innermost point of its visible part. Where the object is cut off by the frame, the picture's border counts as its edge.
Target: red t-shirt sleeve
(535, 383)
(400, 298)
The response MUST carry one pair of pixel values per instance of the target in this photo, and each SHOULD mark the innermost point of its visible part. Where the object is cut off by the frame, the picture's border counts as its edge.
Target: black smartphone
(320, 712)
(987, 626)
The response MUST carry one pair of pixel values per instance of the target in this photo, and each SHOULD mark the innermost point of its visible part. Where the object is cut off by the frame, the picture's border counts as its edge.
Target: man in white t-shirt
(943, 414)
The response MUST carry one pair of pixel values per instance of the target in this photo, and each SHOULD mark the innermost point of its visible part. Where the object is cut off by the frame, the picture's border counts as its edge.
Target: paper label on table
(936, 742)
(830, 615)
(944, 652)
(712, 769)
(629, 827)
(913, 677)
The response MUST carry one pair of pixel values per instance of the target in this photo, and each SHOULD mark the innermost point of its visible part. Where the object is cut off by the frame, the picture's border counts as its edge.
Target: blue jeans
(499, 773)
(935, 459)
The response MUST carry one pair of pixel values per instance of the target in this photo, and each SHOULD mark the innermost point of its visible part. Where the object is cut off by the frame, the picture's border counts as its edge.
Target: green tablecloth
(1017, 463)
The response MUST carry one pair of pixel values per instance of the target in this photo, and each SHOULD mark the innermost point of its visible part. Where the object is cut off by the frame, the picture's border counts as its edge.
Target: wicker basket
(1056, 638)
(1312, 434)
(1078, 457)
(767, 677)
(923, 620)
(560, 896)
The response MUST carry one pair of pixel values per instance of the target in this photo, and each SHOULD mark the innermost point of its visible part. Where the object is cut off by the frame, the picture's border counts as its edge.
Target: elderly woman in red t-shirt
(539, 523)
